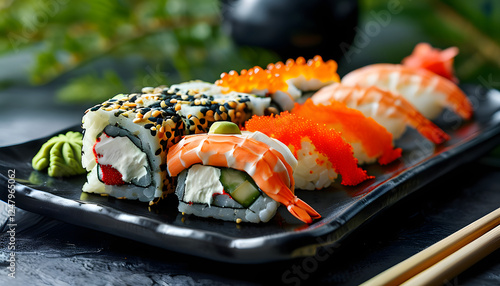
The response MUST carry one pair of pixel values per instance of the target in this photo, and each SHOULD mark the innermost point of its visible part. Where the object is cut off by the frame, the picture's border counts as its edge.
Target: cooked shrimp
(267, 167)
(427, 91)
(389, 110)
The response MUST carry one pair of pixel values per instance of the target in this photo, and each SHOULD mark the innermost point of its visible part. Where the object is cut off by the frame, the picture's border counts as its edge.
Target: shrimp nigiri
(321, 152)
(369, 139)
(427, 91)
(389, 110)
(264, 164)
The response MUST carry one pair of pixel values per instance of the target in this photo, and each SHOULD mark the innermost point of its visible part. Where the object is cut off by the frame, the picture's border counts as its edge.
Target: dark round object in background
(292, 28)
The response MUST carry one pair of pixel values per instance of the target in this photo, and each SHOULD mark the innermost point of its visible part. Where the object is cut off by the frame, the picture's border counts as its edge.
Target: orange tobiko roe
(314, 68)
(251, 80)
(291, 129)
(435, 60)
(275, 76)
(354, 126)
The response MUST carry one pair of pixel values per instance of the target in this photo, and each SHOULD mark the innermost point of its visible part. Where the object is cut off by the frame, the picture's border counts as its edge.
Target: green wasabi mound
(62, 155)
(224, 127)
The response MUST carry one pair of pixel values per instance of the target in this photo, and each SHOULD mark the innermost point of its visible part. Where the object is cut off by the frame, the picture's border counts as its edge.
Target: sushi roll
(205, 103)
(309, 75)
(143, 126)
(262, 82)
(235, 177)
(321, 152)
(285, 83)
(136, 125)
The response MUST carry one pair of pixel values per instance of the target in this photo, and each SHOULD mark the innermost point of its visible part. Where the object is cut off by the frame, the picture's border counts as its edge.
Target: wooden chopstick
(455, 263)
(437, 252)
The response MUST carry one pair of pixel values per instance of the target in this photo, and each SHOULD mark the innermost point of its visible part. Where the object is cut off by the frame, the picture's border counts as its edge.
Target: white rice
(314, 171)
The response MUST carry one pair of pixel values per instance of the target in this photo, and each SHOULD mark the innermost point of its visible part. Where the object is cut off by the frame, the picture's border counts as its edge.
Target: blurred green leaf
(170, 41)
(91, 88)
(177, 38)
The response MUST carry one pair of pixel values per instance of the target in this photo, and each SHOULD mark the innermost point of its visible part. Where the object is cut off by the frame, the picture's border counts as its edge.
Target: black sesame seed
(163, 167)
(152, 119)
(202, 120)
(145, 110)
(158, 152)
(199, 127)
(164, 144)
(95, 108)
(159, 121)
(204, 110)
(154, 105)
(153, 132)
(148, 126)
(133, 98)
(168, 134)
(170, 112)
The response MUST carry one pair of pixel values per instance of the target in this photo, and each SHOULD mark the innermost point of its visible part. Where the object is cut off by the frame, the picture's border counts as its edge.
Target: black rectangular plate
(343, 209)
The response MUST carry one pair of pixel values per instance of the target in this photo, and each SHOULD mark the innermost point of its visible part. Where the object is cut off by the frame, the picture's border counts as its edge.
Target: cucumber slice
(245, 194)
(240, 186)
(231, 179)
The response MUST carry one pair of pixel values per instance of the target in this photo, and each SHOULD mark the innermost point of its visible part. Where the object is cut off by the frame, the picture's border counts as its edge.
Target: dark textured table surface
(50, 252)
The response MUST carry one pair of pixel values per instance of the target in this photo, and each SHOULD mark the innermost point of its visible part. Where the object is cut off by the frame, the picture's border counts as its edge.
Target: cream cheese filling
(202, 183)
(123, 155)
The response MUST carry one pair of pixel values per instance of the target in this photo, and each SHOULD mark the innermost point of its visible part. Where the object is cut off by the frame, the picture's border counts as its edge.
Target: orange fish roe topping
(275, 76)
(355, 127)
(314, 68)
(248, 81)
(292, 129)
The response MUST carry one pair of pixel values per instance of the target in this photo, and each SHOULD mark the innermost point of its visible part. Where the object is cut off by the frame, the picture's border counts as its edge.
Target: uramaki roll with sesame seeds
(126, 138)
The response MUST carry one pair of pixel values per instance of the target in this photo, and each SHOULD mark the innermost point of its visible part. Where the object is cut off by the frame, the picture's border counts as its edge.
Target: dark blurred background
(73, 54)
